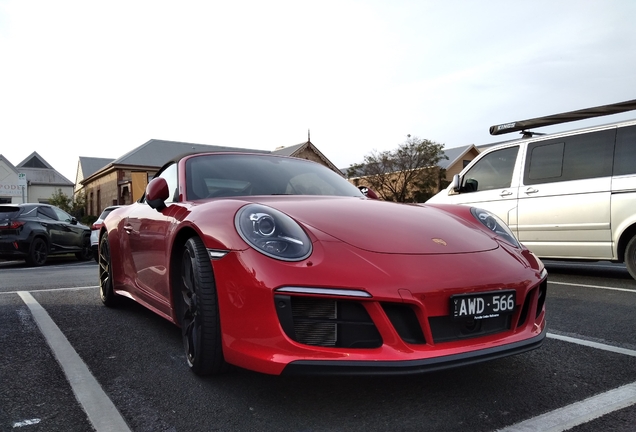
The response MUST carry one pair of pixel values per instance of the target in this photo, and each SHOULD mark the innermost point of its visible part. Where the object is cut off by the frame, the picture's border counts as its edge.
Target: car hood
(385, 227)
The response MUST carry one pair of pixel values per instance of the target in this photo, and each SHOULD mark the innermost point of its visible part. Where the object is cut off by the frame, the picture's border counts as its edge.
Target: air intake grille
(314, 321)
(327, 322)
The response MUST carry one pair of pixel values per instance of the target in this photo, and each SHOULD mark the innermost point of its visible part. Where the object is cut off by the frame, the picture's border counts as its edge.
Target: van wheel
(630, 257)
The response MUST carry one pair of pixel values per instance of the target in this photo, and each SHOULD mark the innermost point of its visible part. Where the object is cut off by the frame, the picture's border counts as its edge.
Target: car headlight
(272, 233)
(495, 224)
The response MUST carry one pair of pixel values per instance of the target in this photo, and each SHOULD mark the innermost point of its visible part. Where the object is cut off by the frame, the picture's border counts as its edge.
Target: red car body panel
(411, 255)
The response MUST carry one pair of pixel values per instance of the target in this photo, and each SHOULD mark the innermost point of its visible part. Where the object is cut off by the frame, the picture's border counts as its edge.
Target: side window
(62, 215)
(493, 171)
(546, 161)
(170, 174)
(625, 153)
(46, 213)
(571, 158)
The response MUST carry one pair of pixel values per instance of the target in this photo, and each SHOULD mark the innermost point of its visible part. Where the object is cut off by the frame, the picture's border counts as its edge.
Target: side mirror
(368, 192)
(73, 221)
(157, 193)
(455, 184)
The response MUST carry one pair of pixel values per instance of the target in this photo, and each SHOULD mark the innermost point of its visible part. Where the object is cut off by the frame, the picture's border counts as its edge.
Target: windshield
(210, 176)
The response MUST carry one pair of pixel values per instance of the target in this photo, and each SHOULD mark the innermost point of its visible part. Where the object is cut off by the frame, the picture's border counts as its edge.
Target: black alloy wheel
(106, 291)
(38, 252)
(199, 312)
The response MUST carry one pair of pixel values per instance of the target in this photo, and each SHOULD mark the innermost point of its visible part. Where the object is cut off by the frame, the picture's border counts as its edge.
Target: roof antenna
(308, 135)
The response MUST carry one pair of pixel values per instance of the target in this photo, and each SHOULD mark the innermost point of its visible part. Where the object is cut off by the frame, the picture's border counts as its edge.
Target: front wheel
(86, 253)
(630, 257)
(106, 287)
(199, 312)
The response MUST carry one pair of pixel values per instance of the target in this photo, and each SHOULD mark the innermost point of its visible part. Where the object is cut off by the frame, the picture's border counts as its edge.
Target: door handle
(531, 190)
(505, 193)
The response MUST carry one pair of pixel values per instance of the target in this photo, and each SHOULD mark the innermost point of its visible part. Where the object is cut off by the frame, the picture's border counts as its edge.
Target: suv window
(493, 171)
(46, 213)
(576, 157)
(625, 154)
(62, 215)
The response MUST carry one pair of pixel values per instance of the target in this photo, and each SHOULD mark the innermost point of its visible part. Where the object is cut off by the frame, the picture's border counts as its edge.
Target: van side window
(576, 157)
(625, 154)
(493, 171)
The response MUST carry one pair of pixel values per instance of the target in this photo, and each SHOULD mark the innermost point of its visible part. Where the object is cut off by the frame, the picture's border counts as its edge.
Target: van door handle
(505, 193)
(531, 190)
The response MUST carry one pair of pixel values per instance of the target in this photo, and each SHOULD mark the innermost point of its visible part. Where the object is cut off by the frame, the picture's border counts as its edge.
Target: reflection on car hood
(386, 227)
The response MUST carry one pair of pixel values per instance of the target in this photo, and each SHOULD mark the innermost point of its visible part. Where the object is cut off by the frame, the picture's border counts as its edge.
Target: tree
(73, 205)
(407, 174)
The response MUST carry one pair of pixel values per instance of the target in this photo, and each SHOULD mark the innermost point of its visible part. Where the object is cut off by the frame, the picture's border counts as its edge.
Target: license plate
(483, 305)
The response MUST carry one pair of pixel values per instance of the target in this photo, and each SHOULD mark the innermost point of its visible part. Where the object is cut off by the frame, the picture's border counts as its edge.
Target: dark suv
(34, 231)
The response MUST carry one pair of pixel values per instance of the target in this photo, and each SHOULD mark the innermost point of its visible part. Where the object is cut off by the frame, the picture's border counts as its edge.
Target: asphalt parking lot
(129, 370)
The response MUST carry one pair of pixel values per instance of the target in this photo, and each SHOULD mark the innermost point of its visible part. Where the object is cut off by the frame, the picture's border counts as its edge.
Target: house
(32, 180)
(123, 180)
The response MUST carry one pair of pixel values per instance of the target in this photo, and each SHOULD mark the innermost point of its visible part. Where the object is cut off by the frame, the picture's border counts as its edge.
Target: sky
(98, 79)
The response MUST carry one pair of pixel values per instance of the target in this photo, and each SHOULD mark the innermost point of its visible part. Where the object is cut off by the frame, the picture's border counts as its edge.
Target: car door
(71, 235)
(56, 231)
(492, 184)
(146, 230)
(564, 197)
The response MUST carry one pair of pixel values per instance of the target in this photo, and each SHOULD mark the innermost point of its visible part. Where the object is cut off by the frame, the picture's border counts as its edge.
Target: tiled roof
(90, 165)
(155, 153)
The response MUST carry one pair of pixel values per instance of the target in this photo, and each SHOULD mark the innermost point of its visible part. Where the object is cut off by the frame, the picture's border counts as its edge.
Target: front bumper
(405, 292)
(406, 367)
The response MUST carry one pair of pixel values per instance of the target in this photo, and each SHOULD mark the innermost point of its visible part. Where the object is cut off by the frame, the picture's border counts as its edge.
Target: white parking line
(100, 410)
(578, 413)
(591, 344)
(593, 286)
(53, 289)
(586, 410)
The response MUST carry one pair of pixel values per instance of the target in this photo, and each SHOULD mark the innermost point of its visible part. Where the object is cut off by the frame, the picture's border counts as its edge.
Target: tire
(38, 252)
(86, 253)
(106, 291)
(199, 311)
(630, 257)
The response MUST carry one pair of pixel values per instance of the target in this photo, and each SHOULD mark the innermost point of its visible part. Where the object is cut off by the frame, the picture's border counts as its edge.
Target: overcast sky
(88, 78)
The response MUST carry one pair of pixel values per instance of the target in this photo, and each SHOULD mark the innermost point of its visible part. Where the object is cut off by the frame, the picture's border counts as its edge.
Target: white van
(569, 195)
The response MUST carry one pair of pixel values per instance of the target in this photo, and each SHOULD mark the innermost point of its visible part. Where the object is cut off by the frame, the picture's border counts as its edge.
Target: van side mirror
(455, 183)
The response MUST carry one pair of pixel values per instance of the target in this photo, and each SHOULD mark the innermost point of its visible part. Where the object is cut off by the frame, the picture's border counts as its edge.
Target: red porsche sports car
(281, 266)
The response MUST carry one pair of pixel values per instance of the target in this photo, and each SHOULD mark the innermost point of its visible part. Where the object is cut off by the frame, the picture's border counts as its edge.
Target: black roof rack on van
(550, 120)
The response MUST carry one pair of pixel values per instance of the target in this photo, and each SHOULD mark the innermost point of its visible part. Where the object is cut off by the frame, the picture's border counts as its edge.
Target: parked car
(96, 227)
(263, 277)
(567, 195)
(33, 232)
